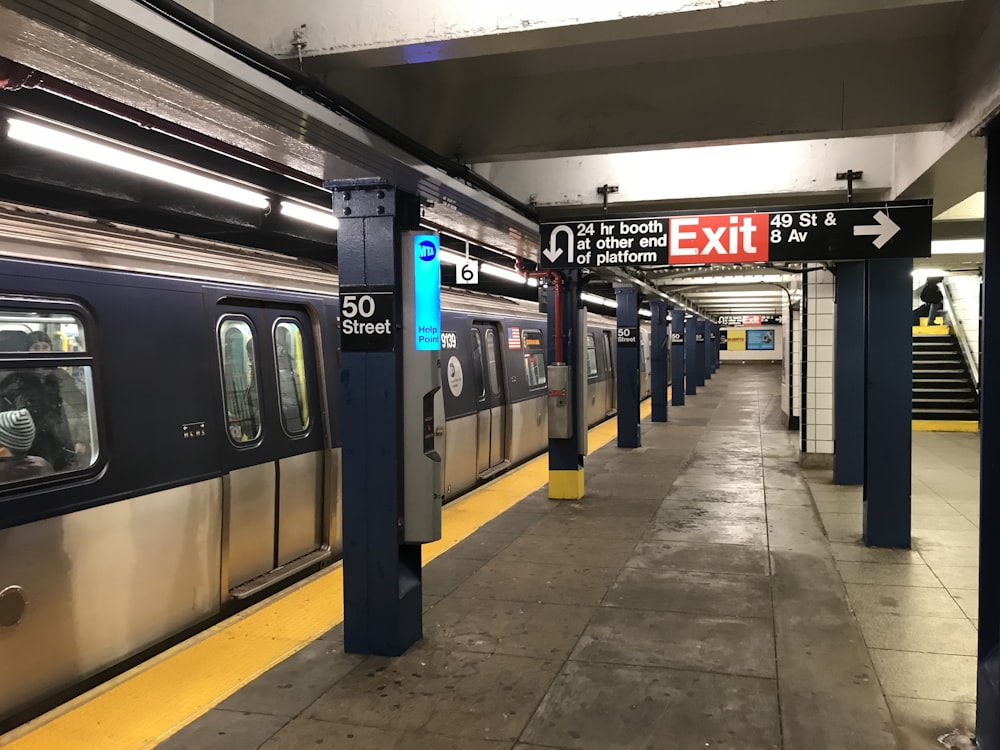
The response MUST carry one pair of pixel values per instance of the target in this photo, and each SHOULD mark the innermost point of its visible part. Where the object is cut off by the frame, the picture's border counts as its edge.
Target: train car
(186, 459)
(494, 380)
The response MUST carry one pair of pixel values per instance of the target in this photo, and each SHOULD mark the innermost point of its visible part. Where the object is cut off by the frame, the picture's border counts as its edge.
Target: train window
(533, 346)
(591, 355)
(642, 354)
(606, 351)
(239, 379)
(48, 420)
(492, 366)
(291, 365)
(477, 364)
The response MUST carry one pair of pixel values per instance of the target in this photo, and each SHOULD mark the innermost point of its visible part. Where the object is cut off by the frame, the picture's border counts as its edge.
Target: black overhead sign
(900, 229)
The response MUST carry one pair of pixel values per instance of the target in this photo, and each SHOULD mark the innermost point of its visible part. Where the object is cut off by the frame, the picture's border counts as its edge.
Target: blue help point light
(427, 291)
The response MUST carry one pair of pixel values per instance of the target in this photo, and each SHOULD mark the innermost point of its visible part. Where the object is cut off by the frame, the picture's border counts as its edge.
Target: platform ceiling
(679, 104)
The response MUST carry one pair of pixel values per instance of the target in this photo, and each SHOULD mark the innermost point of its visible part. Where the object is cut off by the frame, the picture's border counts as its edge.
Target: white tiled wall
(819, 378)
(963, 289)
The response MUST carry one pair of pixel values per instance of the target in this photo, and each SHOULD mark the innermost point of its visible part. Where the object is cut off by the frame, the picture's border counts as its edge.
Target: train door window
(239, 379)
(607, 352)
(533, 347)
(591, 355)
(48, 418)
(492, 362)
(289, 360)
(642, 354)
(477, 364)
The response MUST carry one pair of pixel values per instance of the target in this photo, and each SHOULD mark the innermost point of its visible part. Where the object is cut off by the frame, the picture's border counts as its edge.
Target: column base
(566, 485)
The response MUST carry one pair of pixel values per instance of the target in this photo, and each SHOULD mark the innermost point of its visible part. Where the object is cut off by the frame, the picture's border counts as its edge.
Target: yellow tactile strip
(148, 704)
(945, 425)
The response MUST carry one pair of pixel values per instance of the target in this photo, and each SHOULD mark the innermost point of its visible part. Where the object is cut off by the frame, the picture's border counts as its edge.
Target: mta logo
(427, 250)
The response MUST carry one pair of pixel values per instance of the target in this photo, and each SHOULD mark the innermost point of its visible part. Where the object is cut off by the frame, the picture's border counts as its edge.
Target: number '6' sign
(467, 272)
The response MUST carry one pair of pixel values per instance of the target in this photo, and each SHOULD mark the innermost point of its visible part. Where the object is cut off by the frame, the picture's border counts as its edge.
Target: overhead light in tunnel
(96, 152)
(646, 313)
(957, 247)
(596, 299)
(498, 272)
(310, 214)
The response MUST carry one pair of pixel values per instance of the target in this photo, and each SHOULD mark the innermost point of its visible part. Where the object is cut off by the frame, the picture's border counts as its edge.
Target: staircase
(943, 389)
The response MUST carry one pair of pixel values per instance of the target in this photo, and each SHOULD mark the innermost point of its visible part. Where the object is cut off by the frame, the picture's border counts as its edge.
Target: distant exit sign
(900, 229)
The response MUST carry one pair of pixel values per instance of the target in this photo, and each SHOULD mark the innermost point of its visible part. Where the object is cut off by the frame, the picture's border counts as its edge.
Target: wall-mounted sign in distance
(899, 229)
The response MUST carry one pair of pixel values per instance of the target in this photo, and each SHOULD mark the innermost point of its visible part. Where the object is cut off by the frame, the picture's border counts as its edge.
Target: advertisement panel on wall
(736, 339)
(760, 339)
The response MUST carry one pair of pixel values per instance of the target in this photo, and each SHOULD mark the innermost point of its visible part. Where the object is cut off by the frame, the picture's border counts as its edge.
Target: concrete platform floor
(917, 608)
(691, 600)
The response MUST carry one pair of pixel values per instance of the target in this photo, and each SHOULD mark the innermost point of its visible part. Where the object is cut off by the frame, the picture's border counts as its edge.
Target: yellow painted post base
(566, 485)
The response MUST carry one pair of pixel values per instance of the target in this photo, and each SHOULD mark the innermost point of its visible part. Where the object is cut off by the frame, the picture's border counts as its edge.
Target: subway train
(185, 454)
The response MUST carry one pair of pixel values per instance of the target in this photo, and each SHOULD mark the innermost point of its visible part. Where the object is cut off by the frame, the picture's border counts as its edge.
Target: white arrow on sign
(551, 252)
(548, 253)
(883, 231)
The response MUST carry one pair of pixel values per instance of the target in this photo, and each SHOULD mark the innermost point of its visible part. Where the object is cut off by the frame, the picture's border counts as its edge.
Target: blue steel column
(628, 369)
(888, 402)
(987, 699)
(713, 343)
(718, 347)
(659, 342)
(677, 358)
(382, 577)
(849, 376)
(709, 349)
(690, 357)
(566, 480)
(699, 353)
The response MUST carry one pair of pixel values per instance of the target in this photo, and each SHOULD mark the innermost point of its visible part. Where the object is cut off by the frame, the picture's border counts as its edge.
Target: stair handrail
(958, 325)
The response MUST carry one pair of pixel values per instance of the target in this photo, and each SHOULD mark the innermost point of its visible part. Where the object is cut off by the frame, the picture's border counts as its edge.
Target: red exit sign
(719, 238)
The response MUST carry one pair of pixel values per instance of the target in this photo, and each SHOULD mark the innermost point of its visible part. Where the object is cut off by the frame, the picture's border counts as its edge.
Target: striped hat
(17, 431)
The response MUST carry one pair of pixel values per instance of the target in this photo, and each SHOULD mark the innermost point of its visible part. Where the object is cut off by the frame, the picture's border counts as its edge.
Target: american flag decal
(514, 338)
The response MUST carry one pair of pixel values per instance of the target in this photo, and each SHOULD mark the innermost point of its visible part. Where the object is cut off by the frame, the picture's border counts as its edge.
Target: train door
(274, 444)
(611, 399)
(487, 359)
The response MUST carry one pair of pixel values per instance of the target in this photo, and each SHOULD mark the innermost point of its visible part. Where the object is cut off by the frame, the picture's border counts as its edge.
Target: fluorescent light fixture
(646, 313)
(110, 156)
(311, 214)
(596, 299)
(499, 272)
(957, 247)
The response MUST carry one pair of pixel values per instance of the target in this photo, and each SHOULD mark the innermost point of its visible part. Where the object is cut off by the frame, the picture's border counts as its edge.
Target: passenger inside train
(17, 433)
(53, 395)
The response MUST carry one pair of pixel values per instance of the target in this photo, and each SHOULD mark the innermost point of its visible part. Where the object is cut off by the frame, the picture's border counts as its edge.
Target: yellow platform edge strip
(945, 425)
(148, 704)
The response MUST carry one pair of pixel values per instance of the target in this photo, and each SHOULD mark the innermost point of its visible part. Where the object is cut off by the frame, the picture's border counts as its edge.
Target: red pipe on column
(557, 282)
